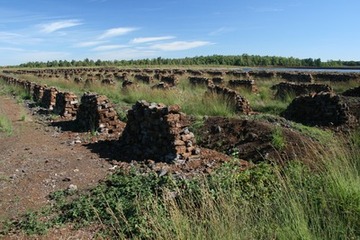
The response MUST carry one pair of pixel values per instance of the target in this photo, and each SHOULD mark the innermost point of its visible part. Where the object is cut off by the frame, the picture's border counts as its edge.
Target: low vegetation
(265, 201)
(6, 126)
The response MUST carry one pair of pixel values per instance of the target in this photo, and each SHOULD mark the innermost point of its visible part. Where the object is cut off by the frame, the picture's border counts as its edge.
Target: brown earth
(253, 140)
(40, 158)
(37, 160)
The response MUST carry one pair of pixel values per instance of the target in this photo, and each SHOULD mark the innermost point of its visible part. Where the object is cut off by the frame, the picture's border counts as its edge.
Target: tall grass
(18, 92)
(264, 101)
(291, 203)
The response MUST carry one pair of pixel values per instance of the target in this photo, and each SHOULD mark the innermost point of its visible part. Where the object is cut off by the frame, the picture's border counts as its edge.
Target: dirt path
(37, 160)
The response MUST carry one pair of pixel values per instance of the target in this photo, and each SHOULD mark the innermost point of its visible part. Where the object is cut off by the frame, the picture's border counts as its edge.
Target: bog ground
(91, 152)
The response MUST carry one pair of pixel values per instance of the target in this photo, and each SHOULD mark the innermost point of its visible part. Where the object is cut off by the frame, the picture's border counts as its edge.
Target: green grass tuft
(6, 125)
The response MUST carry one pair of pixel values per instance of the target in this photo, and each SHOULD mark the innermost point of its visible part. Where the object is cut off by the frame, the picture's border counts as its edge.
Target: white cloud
(220, 31)
(113, 32)
(179, 45)
(108, 47)
(151, 39)
(89, 44)
(54, 26)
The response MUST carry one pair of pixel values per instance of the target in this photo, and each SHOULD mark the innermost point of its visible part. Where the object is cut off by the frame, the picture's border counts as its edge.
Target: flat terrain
(37, 160)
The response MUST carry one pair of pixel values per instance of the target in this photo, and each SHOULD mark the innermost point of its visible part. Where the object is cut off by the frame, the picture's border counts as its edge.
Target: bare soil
(253, 140)
(37, 160)
(40, 157)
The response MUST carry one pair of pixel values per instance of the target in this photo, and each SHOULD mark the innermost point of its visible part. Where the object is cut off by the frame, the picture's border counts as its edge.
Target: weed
(277, 139)
(31, 224)
(6, 125)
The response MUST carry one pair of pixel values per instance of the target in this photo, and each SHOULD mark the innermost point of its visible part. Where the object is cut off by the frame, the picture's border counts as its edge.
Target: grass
(277, 139)
(264, 101)
(191, 99)
(5, 125)
(18, 92)
(262, 202)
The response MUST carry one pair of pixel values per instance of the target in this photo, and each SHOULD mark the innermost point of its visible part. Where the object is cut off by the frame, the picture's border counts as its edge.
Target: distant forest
(244, 60)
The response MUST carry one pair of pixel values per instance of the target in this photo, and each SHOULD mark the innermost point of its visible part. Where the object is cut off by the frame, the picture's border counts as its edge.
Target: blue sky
(42, 30)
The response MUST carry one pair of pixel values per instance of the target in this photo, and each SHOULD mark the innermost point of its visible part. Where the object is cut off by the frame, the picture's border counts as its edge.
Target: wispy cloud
(15, 38)
(151, 39)
(221, 30)
(11, 49)
(108, 47)
(89, 43)
(179, 45)
(9, 35)
(55, 26)
(113, 32)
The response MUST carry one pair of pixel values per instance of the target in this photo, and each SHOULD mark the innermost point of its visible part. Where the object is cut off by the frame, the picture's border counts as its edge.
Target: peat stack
(38, 92)
(245, 84)
(285, 89)
(232, 97)
(155, 131)
(48, 99)
(96, 113)
(67, 105)
(323, 109)
(353, 92)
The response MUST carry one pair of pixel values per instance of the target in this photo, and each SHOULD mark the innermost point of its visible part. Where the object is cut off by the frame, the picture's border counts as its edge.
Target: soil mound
(253, 140)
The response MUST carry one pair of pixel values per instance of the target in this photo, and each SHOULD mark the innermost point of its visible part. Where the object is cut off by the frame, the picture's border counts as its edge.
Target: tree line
(243, 60)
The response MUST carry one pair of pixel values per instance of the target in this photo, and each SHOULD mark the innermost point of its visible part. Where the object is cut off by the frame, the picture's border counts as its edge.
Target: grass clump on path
(5, 125)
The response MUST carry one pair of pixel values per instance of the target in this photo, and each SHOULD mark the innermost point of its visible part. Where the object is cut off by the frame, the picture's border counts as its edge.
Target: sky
(46, 30)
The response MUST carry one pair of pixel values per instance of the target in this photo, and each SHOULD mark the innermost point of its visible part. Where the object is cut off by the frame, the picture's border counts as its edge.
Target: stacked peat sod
(296, 77)
(38, 92)
(127, 84)
(162, 86)
(260, 75)
(353, 92)
(245, 84)
(67, 105)
(96, 113)
(323, 109)
(48, 99)
(232, 97)
(157, 132)
(335, 76)
(285, 89)
(27, 85)
(199, 81)
(170, 80)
